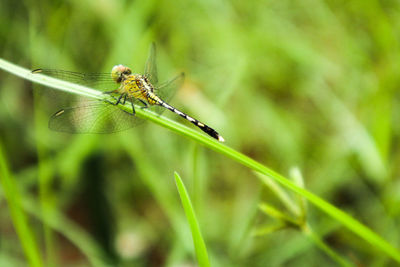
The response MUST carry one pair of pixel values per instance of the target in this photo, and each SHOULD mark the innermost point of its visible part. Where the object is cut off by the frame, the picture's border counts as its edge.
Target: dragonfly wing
(101, 81)
(150, 68)
(168, 89)
(94, 117)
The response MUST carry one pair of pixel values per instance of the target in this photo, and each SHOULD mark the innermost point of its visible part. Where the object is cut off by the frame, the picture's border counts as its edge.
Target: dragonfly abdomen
(205, 128)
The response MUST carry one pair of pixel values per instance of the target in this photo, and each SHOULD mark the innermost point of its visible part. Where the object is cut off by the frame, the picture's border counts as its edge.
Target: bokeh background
(305, 84)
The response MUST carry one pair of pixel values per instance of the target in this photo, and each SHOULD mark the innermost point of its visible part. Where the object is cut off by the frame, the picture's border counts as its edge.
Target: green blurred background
(304, 83)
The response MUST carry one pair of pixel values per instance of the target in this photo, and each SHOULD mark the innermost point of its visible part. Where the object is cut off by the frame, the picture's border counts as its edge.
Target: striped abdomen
(208, 130)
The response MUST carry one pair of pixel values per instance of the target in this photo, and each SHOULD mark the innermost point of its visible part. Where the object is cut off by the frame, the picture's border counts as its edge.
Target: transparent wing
(150, 68)
(93, 117)
(168, 89)
(101, 81)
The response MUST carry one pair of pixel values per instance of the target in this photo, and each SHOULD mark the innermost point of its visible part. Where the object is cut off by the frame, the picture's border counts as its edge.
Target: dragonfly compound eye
(118, 72)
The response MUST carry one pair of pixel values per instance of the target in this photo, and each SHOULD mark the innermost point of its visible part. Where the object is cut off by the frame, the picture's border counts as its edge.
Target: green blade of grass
(20, 221)
(349, 222)
(199, 245)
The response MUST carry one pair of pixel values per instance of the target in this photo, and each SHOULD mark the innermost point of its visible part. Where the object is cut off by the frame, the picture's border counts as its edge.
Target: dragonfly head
(119, 73)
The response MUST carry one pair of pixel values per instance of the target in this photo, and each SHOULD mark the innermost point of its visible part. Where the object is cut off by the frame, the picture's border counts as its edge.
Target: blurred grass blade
(296, 176)
(199, 245)
(280, 193)
(70, 230)
(325, 248)
(20, 221)
(277, 214)
(268, 229)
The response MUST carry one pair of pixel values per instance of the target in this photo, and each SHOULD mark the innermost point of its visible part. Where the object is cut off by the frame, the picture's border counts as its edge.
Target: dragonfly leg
(133, 107)
(119, 99)
(145, 105)
(123, 102)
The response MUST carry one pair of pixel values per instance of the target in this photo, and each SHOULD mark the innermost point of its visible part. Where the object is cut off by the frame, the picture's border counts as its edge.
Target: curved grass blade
(199, 245)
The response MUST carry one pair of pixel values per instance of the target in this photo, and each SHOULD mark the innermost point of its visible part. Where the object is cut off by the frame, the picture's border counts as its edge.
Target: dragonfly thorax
(143, 82)
(120, 72)
(137, 86)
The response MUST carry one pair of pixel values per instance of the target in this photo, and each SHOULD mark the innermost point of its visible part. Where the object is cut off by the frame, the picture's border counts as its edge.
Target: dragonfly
(108, 115)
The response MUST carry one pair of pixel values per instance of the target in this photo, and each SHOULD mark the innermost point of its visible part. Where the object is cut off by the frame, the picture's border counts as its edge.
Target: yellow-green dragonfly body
(105, 116)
